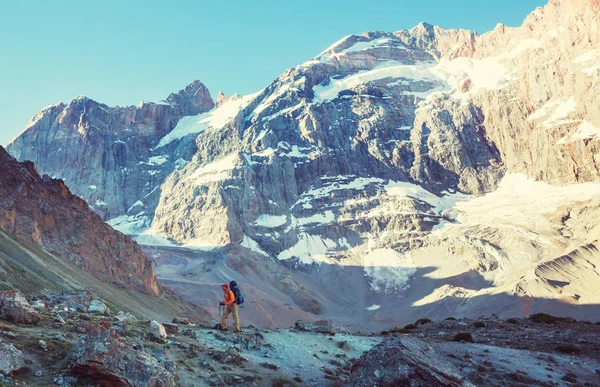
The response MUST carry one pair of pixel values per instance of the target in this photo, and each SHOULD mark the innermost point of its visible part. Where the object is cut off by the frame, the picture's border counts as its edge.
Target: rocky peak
(42, 210)
(221, 99)
(193, 99)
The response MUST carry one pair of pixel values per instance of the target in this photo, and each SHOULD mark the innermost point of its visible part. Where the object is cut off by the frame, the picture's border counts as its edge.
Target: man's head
(224, 287)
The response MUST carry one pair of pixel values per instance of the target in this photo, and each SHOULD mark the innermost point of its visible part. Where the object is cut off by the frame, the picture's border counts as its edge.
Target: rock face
(42, 210)
(105, 154)
(404, 361)
(442, 165)
(16, 309)
(104, 357)
(11, 359)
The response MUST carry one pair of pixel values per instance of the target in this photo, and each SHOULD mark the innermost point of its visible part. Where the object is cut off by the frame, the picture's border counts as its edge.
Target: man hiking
(230, 307)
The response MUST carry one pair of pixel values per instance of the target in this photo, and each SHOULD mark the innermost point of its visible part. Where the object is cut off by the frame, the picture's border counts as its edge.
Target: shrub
(479, 324)
(513, 321)
(422, 321)
(410, 326)
(567, 348)
(450, 319)
(464, 336)
(549, 319)
(282, 382)
(398, 330)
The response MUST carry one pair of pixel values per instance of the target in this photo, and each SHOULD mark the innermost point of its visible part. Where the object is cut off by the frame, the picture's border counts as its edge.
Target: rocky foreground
(76, 340)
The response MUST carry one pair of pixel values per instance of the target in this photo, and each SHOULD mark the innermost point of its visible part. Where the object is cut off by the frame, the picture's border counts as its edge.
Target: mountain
(52, 242)
(42, 211)
(105, 154)
(395, 175)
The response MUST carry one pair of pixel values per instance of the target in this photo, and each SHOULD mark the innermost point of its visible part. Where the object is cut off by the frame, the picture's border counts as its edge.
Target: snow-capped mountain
(433, 169)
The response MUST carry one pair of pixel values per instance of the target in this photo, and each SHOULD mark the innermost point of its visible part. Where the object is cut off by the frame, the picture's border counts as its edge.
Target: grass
(410, 327)
(450, 319)
(513, 321)
(463, 336)
(567, 348)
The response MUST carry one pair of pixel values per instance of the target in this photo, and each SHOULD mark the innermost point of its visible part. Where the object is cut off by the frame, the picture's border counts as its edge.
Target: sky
(122, 52)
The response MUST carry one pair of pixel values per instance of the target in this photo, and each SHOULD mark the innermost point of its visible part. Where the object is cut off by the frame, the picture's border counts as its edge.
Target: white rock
(157, 330)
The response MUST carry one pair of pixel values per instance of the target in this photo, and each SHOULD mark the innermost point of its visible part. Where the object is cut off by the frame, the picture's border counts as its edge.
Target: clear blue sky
(120, 52)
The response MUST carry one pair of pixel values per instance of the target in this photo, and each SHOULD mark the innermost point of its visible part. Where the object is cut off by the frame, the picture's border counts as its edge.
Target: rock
(105, 358)
(404, 361)
(181, 321)
(125, 317)
(321, 326)
(157, 331)
(171, 329)
(43, 345)
(97, 307)
(15, 308)
(11, 359)
(38, 373)
(37, 304)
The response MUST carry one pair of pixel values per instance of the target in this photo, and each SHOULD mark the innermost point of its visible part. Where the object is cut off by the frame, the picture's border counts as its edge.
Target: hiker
(230, 307)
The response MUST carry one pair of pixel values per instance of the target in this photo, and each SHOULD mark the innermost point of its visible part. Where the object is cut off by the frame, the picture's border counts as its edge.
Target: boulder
(98, 307)
(125, 317)
(404, 361)
(181, 320)
(16, 309)
(11, 359)
(321, 326)
(171, 329)
(107, 359)
(157, 331)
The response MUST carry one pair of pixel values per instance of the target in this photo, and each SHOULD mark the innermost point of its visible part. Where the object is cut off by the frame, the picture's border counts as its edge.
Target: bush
(450, 319)
(397, 330)
(410, 326)
(464, 336)
(549, 319)
(513, 321)
(567, 348)
(282, 382)
(479, 324)
(423, 321)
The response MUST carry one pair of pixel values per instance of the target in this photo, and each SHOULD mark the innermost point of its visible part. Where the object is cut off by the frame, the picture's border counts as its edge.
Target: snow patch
(309, 249)
(251, 244)
(215, 171)
(271, 221)
(373, 307)
(216, 118)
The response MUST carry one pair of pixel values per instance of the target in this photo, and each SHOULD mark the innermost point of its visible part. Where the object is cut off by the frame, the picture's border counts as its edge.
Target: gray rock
(11, 359)
(404, 361)
(16, 309)
(105, 358)
(98, 307)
